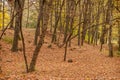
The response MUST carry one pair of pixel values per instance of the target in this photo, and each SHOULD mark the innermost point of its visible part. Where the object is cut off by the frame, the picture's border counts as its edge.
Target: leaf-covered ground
(88, 62)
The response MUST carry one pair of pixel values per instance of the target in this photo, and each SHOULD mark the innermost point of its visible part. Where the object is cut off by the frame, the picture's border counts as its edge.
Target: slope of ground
(88, 63)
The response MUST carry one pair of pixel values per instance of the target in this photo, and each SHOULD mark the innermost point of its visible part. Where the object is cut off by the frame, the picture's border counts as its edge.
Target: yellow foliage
(6, 19)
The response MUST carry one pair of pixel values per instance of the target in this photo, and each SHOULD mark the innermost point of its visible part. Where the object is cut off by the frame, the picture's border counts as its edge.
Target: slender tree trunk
(67, 20)
(46, 11)
(22, 37)
(57, 19)
(3, 26)
(102, 38)
(84, 21)
(0, 64)
(108, 19)
(54, 37)
(37, 32)
(12, 15)
(18, 20)
(89, 20)
(118, 30)
(118, 36)
(80, 17)
(73, 8)
(66, 45)
(97, 22)
(27, 23)
(51, 22)
(110, 42)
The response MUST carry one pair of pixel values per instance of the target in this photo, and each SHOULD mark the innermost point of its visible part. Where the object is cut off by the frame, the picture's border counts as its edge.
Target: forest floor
(88, 62)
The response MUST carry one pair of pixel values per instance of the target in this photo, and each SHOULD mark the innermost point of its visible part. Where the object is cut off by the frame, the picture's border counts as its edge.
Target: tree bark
(37, 32)
(46, 11)
(18, 19)
(109, 18)
(118, 36)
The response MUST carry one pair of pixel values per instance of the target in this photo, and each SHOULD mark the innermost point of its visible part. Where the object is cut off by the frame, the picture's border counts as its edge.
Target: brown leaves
(88, 63)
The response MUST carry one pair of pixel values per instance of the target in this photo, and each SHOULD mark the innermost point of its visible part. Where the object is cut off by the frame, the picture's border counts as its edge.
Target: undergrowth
(8, 40)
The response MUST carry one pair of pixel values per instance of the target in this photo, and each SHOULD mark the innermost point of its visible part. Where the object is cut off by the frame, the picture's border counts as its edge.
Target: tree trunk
(12, 22)
(85, 15)
(57, 19)
(3, 17)
(97, 22)
(110, 42)
(67, 20)
(118, 36)
(109, 18)
(0, 64)
(102, 38)
(18, 19)
(80, 17)
(28, 13)
(45, 19)
(37, 32)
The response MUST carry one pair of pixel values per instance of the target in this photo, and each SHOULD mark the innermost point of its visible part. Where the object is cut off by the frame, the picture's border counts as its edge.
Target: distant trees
(85, 13)
(12, 6)
(4, 16)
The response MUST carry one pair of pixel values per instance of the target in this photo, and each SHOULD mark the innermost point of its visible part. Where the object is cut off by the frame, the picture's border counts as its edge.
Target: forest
(59, 39)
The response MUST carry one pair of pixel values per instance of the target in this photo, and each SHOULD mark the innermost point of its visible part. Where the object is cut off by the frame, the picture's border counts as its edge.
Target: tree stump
(70, 60)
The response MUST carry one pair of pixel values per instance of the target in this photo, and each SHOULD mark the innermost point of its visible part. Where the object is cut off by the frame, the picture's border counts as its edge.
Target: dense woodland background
(68, 23)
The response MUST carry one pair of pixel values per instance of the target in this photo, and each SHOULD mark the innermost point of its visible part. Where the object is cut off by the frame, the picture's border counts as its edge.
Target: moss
(118, 53)
(8, 40)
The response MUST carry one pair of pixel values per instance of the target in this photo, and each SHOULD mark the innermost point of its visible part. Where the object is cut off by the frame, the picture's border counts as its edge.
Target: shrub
(118, 53)
(8, 40)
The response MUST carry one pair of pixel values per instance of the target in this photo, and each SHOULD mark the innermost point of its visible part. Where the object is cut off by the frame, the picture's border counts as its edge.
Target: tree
(104, 30)
(3, 15)
(80, 17)
(57, 19)
(37, 32)
(118, 36)
(46, 4)
(18, 23)
(0, 62)
(11, 13)
(28, 3)
(108, 20)
(0, 14)
(85, 15)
